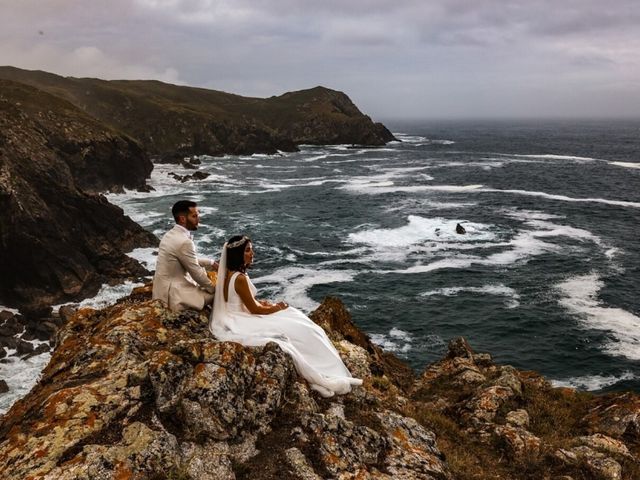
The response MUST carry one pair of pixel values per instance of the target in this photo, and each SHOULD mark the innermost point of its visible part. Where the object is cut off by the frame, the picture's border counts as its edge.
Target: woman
(238, 316)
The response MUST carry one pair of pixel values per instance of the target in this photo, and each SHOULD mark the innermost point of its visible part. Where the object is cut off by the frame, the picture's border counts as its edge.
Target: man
(180, 279)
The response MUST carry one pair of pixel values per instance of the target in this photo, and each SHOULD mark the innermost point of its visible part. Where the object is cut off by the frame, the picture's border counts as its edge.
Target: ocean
(545, 277)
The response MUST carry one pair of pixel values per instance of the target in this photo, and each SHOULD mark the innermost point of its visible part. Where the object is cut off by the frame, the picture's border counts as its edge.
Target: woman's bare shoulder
(241, 280)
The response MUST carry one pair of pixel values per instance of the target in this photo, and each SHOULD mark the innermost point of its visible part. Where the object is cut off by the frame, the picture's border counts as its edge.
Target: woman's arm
(253, 305)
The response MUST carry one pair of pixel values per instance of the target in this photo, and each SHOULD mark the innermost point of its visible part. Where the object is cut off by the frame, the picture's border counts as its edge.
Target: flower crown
(237, 243)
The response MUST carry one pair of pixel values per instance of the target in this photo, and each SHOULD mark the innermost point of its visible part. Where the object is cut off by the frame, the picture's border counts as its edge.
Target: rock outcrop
(60, 239)
(136, 391)
(173, 122)
(64, 140)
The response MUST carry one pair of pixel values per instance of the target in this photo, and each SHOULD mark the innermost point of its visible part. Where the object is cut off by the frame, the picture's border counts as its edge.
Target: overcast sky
(394, 58)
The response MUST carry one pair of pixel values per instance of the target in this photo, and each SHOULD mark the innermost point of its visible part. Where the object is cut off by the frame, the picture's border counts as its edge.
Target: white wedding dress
(313, 354)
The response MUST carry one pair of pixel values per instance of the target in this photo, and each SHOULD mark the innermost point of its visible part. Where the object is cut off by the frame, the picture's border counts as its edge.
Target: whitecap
(580, 296)
(406, 138)
(626, 164)
(491, 289)
(524, 245)
(483, 165)
(563, 198)
(404, 205)
(420, 229)
(106, 296)
(9, 309)
(550, 156)
(594, 382)
(21, 375)
(612, 252)
(395, 340)
(421, 141)
(523, 214)
(207, 210)
(314, 158)
(390, 187)
(147, 256)
(295, 282)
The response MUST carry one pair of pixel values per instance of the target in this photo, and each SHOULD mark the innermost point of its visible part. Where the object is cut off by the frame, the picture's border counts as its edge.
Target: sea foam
(524, 245)
(106, 296)
(420, 229)
(377, 188)
(493, 289)
(626, 164)
(21, 375)
(9, 309)
(580, 296)
(396, 340)
(594, 382)
(564, 198)
(550, 156)
(295, 282)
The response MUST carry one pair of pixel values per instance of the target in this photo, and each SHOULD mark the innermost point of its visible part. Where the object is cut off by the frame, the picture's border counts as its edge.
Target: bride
(239, 317)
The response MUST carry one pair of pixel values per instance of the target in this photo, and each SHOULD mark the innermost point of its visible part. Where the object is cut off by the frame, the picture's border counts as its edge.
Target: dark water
(544, 279)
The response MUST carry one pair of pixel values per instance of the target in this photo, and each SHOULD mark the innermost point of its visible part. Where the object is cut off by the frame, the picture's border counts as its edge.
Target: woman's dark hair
(235, 253)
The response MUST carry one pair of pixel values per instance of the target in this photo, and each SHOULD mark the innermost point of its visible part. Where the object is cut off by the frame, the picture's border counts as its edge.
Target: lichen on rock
(138, 391)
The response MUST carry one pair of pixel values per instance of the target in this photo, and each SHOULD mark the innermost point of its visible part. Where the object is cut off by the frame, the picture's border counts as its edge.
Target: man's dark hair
(235, 255)
(182, 207)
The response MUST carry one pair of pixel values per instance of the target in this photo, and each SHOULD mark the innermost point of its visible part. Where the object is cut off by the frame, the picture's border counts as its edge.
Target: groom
(180, 279)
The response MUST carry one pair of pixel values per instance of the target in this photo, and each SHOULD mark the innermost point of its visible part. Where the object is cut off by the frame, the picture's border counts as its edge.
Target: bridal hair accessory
(237, 243)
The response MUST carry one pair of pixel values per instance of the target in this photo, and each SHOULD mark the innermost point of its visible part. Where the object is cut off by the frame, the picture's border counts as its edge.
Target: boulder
(518, 418)
(520, 443)
(605, 444)
(597, 464)
(616, 416)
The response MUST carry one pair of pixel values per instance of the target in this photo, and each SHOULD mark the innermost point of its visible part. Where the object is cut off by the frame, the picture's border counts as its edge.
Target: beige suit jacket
(180, 279)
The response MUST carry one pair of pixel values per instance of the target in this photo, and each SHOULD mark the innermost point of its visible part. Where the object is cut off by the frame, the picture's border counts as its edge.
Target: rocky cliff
(59, 238)
(135, 391)
(64, 140)
(173, 121)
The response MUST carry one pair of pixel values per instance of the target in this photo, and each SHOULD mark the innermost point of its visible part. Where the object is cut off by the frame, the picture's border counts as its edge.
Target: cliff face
(58, 237)
(173, 121)
(135, 391)
(64, 140)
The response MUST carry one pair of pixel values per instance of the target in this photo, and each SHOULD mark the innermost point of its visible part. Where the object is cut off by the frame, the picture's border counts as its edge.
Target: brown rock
(616, 416)
(605, 444)
(518, 418)
(460, 348)
(519, 443)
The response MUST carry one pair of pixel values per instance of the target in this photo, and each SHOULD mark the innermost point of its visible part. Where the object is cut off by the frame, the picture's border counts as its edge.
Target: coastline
(161, 397)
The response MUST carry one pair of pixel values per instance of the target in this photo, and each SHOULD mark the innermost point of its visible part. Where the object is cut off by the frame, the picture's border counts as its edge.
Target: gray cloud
(400, 58)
